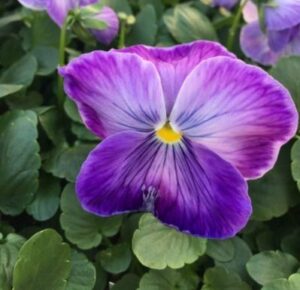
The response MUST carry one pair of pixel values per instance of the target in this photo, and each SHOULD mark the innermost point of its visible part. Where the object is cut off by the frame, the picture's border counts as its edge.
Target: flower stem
(62, 46)
(235, 24)
(122, 36)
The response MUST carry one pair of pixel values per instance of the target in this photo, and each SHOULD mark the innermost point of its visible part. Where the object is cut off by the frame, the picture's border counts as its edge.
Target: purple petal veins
(184, 158)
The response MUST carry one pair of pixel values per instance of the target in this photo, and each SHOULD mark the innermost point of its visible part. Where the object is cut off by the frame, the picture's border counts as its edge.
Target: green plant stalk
(122, 37)
(235, 24)
(62, 46)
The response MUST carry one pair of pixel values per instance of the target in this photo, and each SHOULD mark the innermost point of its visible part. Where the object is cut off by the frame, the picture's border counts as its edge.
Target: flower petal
(34, 4)
(238, 111)
(279, 39)
(255, 44)
(250, 12)
(58, 10)
(225, 3)
(282, 14)
(185, 185)
(107, 35)
(115, 92)
(176, 62)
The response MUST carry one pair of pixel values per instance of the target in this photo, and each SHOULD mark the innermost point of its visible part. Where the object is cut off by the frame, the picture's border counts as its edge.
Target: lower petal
(185, 185)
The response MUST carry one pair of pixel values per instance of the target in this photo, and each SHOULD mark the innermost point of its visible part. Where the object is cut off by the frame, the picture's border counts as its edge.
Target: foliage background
(48, 242)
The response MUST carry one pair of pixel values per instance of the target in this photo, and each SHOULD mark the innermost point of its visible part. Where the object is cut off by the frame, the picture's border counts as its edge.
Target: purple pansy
(282, 35)
(225, 3)
(59, 9)
(183, 128)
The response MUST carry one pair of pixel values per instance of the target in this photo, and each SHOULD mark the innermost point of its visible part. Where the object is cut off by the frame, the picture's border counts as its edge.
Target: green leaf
(221, 250)
(219, 279)
(295, 166)
(43, 263)
(186, 24)
(237, 264)
(9, 248)
(157, 4)
(119, 6)
(292, 283)
(290, 243)
(81, 228)
(168, 279)
(46, 201)
(6, 90)
(115, 259)
(158, 246)
(145, 29)
(287, 71)
(51, 120)
(268, 266)
(83, 273)
(19, 160)
(127, 282)
(93, 23)
(82, 133)
(72, 111)
(10, 51)
(274, 193)
(65, 162)
(21, 72)
(47, 59)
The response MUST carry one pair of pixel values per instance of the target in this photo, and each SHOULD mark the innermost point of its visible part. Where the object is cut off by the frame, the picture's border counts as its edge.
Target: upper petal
(255, 44)
(184, 185)
(107, 35)
(250, 12)
(58, 9)
(238, 111)
(176, 62)
(34, 4)
(282, 14)
(115, 92)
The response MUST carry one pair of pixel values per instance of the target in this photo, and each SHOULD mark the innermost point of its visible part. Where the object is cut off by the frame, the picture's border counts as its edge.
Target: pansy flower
(58, 10)
(183, 129)
(282, 31)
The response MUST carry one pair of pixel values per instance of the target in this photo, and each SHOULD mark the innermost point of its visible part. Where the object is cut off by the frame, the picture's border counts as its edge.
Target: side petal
(282, 14)
(279, 39)
(238, 111)
(111, 19)
(58, 9)
(185, 185)
(115, 92)
(176, 62)
(255, 45)
(293, 48)
(34, 4)
(225, 3)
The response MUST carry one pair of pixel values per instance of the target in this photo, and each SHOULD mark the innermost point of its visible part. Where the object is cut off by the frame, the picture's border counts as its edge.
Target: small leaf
(81, 228)
(168, 279)
(43, 263)
(127, 282)
(158, 246)
(292, 283)
(290, 243)
(295, 166)
(145, 29)
(65, 162)
(21, 72)
(219, 279)
(6, 90)
(83, 273)
(115, 259)
(268, 266)
(19, 160)
(46, 201)
(186, 24)
(220, 250)
(9, 248)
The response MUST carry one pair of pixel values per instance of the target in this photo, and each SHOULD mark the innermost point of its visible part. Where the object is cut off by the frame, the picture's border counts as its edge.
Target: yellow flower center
(168, 135)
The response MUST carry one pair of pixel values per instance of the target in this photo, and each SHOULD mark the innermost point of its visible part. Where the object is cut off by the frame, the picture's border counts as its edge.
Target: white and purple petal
(115, 92)
(185, 185)
(34, 4)
(250, 12)
(255, 45)
(282, 14)
(107, 35)
(176, 62)
(238, 111)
